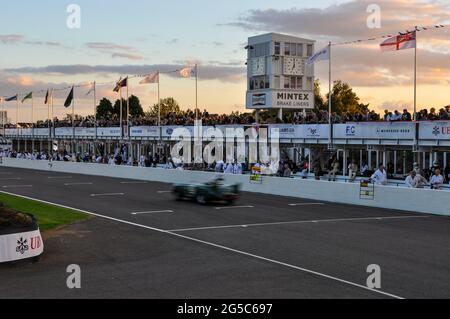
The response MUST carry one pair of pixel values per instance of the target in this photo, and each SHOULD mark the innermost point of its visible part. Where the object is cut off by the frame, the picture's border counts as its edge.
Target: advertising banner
(145, 131)
(280, 99)
(11, 132)
(41, 132)
(85, 132)
(434, 130)
(309, 131)
(20, 246)
(109, 132)
(374, 130)
(64, 132)
(26, 132)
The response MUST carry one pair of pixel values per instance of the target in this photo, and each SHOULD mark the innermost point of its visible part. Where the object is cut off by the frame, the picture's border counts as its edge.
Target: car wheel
(201, 199)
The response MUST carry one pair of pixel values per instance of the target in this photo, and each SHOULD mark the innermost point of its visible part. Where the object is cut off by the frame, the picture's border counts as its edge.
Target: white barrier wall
(414, 200)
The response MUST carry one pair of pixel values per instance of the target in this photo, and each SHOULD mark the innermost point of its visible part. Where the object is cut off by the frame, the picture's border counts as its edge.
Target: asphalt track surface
(144, 244)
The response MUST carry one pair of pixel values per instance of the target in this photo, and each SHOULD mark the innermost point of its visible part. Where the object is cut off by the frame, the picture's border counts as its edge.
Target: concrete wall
(414, 200)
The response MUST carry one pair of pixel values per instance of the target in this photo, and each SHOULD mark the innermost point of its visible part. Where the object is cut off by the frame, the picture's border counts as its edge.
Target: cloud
(128, 56)
(116, 50)
(206, 72)
(11, 38)
(44, 43)
(363, 64)
(173, 41)
(108, 46)
(345, 20)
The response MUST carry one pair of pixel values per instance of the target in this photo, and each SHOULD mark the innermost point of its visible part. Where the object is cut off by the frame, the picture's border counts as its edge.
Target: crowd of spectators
(188, 118)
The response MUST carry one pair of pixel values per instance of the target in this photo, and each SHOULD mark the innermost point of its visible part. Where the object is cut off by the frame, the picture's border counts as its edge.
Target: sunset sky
(118, 38)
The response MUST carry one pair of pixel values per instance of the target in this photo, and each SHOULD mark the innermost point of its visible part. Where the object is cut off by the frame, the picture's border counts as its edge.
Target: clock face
(259, 66)
(294, 66)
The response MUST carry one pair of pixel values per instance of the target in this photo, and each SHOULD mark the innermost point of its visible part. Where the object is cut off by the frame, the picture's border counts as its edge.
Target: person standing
(437, 180)
(335, 167)
(447, 172)
(353, 171)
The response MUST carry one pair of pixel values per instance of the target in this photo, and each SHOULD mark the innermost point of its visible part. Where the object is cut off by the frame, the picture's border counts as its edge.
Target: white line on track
(133, 182)
(60, 177)
(233, 207)
(76, 184)
(273, 261)
(108, 194)
(307, 204)
(164, 192)
(11, 179)
(17, 186)
(153, 212)
(298, 222)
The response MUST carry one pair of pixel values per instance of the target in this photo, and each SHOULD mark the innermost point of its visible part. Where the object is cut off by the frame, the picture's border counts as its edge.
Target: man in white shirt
(437, 181)
(353, 171)
(380, 176)
(413, 180)
(229, 169)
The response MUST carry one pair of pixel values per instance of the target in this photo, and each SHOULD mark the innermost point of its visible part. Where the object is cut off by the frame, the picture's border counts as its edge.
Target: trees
(135, 107)
(168, 105)
(105, 109)
(345, 100)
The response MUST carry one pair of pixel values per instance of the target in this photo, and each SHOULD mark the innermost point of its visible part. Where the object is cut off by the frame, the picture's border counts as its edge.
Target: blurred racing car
(214, 191)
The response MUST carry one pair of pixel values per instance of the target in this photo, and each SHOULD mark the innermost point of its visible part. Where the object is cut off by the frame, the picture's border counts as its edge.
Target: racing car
(211, 192)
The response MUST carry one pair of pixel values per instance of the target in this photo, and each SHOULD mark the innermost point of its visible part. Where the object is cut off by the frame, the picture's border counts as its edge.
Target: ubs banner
(20, 246)
(280, 99)
(434, 131)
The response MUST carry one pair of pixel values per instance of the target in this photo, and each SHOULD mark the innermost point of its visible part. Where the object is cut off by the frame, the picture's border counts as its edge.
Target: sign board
(20, 246)
(309, 131)
(145, 131)
(85, 132)
(26, 132)
(434, 130)
(280, 99)
(41, 132)
(374, 130)
(64, 132)
(109, 132)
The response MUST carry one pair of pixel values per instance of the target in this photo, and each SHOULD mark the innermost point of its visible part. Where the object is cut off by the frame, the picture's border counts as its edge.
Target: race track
(144, 244)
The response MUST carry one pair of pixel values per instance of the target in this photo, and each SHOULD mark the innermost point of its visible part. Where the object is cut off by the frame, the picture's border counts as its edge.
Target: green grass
(48, 216)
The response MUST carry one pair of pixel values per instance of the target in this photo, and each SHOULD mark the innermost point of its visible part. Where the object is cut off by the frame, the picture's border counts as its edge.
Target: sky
(118, 38)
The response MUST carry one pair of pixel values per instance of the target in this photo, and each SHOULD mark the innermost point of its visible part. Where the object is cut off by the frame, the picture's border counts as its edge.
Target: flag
(47, 96)
(152, 78)
(28, 96)
(91, 89)
(322, 55)
(187, 72)
(69, 99)
(12, 98)
(400, 42)
(121, 84)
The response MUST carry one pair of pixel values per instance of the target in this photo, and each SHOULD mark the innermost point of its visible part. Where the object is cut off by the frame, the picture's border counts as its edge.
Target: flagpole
(73, 114)
(196, 92)
(128, 110)
(159, 100)
(330, 140)
(415, 77)
(121, 107)
(17, 111)
(32, 118)
(95, 109)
